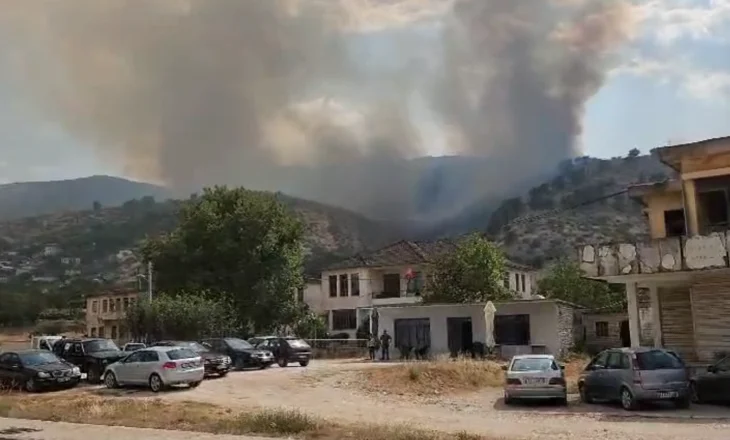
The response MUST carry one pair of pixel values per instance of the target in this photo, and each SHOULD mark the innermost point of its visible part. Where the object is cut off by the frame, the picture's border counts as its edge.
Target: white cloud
(668, 21)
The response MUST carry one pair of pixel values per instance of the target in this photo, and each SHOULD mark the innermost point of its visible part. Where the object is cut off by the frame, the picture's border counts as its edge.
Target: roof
(407, 252)
(113, 292)
(516, 301)
(642, 189)
(671, 155)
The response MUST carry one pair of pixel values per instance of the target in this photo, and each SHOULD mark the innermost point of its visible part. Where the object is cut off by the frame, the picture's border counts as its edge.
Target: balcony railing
(401, 294)
(672, 254)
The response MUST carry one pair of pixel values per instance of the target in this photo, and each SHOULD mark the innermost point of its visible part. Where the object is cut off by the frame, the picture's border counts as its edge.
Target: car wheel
(563, 401)
(627, 400)
(282, 362)
(30, 386)
(194, 384)
(155, 383)
(304, 363)
(94, 375)
(508, 400)
(585, 397)
(694, 395)
(110, 380)
(682, 403)
(223, 374)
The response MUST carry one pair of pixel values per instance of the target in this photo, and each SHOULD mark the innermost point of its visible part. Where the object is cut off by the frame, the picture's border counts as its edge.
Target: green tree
(309, 325)
(474, 272)
(243, 244)
(565, 281)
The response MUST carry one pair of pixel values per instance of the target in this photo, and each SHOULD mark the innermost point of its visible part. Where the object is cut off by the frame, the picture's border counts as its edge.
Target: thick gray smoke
(271, 93)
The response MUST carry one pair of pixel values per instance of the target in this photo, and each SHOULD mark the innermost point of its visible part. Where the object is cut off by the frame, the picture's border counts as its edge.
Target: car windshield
(533, 364)
(181, 353)
(297, 343)
(658, 360)
(38, 358)
(100, 345)
(239, 344)
(195, 346)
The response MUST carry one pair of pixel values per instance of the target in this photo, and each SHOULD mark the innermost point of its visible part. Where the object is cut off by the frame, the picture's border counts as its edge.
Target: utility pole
(149, 280)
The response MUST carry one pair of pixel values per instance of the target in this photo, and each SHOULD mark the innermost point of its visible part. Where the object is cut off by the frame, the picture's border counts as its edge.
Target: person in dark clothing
(385, 345)
(373, 346)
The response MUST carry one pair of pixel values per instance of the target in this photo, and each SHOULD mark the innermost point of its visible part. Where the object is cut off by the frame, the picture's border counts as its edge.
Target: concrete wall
(595, 343)
(544, 324)
(657, 204)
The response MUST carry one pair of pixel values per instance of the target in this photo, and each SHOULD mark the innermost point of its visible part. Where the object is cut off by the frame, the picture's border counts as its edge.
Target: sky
(671, 85)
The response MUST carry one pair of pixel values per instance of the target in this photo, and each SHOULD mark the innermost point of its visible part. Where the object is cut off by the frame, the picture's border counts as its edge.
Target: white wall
(543, 323)
(529, 288)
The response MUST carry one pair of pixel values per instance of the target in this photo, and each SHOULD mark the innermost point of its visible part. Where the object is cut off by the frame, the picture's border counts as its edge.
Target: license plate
(668, 395)
(533, 381)
(63, 379)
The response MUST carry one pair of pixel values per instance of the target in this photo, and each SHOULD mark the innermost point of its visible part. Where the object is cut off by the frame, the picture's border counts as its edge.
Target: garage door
(711, 310)
(676, 317)
(412, 333)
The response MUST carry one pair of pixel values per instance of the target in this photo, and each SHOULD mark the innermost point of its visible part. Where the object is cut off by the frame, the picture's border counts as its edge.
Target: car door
(147, 365)
(617, 364)
(75, 353)
(595, 379)
(127, 370)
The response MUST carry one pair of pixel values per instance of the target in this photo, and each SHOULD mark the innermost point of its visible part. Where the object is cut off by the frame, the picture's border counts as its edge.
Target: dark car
(634, 375)
(242, 354)
(37, 370)
(90, 355)
(712, 386)
(216, 364)
(285, 349)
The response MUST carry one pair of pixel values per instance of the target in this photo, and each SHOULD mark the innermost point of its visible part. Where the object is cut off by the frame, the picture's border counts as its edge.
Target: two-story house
(106, 313)
(394, 275)
(684, 266)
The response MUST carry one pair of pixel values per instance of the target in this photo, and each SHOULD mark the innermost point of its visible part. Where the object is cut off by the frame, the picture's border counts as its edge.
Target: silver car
(534, 377)
(634, 375)
(156, 367)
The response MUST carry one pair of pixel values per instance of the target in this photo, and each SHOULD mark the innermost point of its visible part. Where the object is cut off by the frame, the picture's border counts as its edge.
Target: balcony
(391, 298)
(665, 255)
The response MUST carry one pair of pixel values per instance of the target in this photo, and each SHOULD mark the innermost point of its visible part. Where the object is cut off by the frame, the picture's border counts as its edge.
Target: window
(512, 329)
(104, 306)
(506, 280)
(522, 277)
(126, 303)
(533, 364)
(333, 286)
(674, 223)
(601, 329)
(95, 306)
(182, 353)
(517, 282)
(391, 285)
(355, 284)
(414, 333)
(119, 304)
(114, 332)
(713, 208)
(600, 360)
(616, 361)
(111, 305)
(415, 284)
(93, 332)
(343, 285)
(101, 332)
(300, 294)
(134, 357)
(344, 319)
(657, 360)
(132, 301)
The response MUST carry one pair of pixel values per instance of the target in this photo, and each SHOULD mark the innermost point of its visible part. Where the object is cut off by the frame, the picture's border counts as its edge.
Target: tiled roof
(406, 252)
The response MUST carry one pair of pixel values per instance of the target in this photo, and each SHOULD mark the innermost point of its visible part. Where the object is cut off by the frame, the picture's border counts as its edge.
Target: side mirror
(504, 368)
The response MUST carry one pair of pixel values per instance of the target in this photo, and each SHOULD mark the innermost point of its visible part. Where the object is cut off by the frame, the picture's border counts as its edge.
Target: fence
(338, 348)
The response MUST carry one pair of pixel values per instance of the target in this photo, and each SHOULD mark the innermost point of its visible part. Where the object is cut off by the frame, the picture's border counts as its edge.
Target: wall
(593, 342)
(656, 205)
(544, 328)
(530, 283)
(96, 320)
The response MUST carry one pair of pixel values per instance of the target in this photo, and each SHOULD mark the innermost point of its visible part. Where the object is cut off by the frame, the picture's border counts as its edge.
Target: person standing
(372, 346)
(385, 345)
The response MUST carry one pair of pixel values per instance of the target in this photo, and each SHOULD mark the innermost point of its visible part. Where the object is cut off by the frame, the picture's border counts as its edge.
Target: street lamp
(148, 278)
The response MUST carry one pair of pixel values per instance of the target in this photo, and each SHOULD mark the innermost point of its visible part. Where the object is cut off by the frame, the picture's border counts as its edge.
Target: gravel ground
(325, 389)
(12, 429)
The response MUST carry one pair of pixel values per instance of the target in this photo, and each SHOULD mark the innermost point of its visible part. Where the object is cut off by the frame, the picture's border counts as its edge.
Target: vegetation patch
(451, 376)
(201, 417)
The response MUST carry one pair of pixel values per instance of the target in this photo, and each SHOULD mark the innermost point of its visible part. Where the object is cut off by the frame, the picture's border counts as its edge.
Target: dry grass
(199, 417)
(450, 376)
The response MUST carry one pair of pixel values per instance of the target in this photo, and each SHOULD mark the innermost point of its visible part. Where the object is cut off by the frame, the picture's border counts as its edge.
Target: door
(126, 371)
(11, 370)
(412, 334)
(75, 353)
(148, 363)
(594, 383)
(625, 334)
(459, 334)
(618, 371)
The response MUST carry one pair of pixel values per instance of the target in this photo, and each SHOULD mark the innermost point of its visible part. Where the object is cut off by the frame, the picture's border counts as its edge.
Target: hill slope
(581, 184)
(26, 199)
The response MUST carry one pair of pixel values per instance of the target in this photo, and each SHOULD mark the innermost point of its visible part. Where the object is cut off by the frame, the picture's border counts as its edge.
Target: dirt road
(326, 389)
(12, 429)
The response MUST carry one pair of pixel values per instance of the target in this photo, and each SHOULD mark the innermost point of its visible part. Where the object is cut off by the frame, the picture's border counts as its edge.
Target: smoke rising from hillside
(197, 92)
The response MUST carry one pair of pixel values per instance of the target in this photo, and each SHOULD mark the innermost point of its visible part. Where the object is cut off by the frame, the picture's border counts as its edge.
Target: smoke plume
(271, 93)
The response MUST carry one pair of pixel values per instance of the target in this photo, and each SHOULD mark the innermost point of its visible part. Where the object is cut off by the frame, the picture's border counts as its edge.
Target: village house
(394, 275)
(106, 313)
(684, 267)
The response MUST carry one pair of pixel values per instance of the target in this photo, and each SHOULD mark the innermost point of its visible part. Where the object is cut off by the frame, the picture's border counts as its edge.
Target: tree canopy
(565, 281)
(243, 245)
(474, 272)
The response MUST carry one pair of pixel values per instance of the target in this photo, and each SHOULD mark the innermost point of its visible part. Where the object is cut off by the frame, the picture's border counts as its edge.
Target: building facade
(394, 275)
(106, 314)
(685, 265)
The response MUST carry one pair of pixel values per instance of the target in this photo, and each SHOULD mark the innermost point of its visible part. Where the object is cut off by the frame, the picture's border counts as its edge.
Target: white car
(534, 377)
(156, 367)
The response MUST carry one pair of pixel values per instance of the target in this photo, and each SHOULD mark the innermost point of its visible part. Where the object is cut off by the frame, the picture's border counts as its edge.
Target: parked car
(90, 355)
(242, 353)
(133, 346)
(285, 349)
(156, 367)
(216, 364)
(37, 370)
(634, 375)
(714, 385)
(44, 342)
(534, 377)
